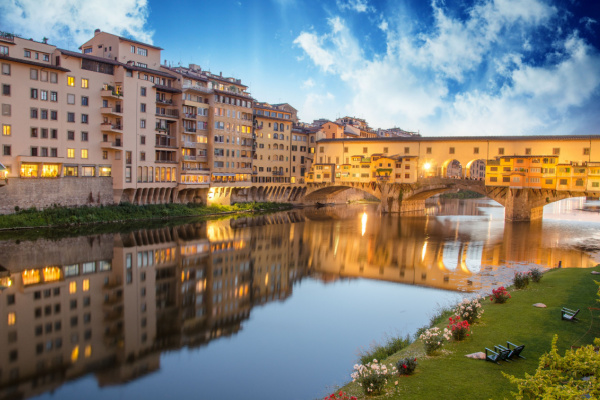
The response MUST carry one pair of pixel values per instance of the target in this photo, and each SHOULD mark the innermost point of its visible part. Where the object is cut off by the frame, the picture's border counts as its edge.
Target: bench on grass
(498, 355)
(569, 314)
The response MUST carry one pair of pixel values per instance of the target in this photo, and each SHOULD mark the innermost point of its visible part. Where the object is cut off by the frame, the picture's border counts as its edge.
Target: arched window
(281, 127)
(275, 126)
(275, 136)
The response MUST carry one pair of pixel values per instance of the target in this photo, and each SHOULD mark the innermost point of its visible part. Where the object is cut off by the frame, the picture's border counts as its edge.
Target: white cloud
(588, 23)
(72, 22)
(383, 25)
(359, 6)
(314, 104)
(483, 74)
(307, 84)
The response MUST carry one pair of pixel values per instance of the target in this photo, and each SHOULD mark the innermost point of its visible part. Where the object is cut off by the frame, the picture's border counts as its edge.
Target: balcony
(202, 89)
(168, 114)
(114, 111)
(110, 127)
(197, 169)
(166, 141)
(168, 102)
(111, 92)
(116, 145)
(277, 172)
(188, 143)
(189, 129)
(189, 116)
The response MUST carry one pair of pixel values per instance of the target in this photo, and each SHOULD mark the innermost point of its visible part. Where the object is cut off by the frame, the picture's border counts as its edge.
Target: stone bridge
(519, 204)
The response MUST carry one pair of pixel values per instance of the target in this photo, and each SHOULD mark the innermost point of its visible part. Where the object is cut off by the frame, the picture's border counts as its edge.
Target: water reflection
(110, 304)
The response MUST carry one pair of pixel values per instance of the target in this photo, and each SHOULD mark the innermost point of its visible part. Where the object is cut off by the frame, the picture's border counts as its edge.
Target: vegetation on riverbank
(461, 194)
(64, 216)
(450, 375)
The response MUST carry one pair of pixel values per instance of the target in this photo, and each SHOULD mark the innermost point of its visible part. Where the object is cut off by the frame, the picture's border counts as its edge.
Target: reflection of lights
(424, 250)
(364, 223)
(267, 279)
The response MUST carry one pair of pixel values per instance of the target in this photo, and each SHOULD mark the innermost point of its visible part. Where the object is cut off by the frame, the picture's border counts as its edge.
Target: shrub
(459, 329)
(372, 377)
(500, 295)
(561, 377)
(380, 352)
(339, 396)
(469, 310)
(406, 366)
(535, 275)
(521, 280)
(433, 339)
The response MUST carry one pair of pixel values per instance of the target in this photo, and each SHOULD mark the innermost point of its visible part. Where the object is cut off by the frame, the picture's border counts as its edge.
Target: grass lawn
(450, 375)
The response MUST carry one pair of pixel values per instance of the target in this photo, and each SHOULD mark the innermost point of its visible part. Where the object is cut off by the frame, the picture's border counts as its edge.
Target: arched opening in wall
(475, 169)
(452, 169)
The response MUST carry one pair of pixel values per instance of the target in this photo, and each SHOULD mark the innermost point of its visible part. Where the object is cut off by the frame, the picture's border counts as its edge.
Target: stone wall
(43, 193)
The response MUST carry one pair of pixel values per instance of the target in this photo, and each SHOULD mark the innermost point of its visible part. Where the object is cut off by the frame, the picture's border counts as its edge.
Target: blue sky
(468, 67)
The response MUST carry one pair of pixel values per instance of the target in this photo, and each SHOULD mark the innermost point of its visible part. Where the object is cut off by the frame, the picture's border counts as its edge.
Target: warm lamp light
(426, 166)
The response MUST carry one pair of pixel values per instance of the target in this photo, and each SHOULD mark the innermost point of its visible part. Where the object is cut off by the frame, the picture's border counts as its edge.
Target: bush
(469, 310)
(521, 280)
(339, 396)
(562, 377)
(433, 339)
(406, 366)
(372, 377)
(535, 275)
(500, 295)
(381, 352)
(459, 329)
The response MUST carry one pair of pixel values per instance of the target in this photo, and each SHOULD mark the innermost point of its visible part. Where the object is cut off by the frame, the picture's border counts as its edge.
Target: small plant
(380, 352)
(433, 339)
(521, 280)
(500, 295)
(372, 377)
(469, 310)
(339, 396)
(406, 366)
(459, 329)
(535, 275)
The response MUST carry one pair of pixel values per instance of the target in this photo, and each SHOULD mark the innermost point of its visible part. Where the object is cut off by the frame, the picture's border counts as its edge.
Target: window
(132, 49)
(6, 151)
(53, 152)
(5, 69)
(54, 133)
(142, 123)
(84, 136)
(70, 98)
(142, 139)
(128, 174)
(88, 171)
(43, 152)
(556, 151)
(142, 52)
(563, 182)
(142, 156)
(33, 74)
(34, 151)
(6, 90)
(104, 155)
(27, 54)
(84, 118)
(476, 150)
(84, 153)
(365, 150)
(84, 83)
(5, 130)
(33, 113)
(34, 132)
(43, 114)
(85, 101)
(70, 117)
(501, 150)
(143, 107)
(53, 77)
(4, 50)
(34, 93)
(451, 150)
(44, 134)
(70, 135)
(70, 81)
(142, 91)
(528, 151)
(71, 152)
(586, 151)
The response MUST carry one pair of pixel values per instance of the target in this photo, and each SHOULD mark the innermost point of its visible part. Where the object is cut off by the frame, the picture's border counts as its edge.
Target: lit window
(84, 153)
(70, 153)
(5, 130)
(84, 83)
(88, 351)
(71, 80)
(75, 354)
(73, 287)
(86, 285)
(12, 318)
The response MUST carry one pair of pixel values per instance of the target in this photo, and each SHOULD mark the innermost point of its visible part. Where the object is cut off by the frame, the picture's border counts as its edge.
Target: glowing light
(364, 223)
(75, 354)
(426, 166)
(423, 252)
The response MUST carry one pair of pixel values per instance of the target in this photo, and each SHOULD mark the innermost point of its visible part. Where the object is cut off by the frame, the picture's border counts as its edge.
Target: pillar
(522, 205)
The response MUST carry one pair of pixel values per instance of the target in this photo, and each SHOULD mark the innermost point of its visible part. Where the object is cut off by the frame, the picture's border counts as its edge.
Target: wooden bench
(568, 314)
(501, 354)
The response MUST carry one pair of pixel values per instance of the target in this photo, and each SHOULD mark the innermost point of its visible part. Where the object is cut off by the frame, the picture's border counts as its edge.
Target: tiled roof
(89, 57)
(38, 64)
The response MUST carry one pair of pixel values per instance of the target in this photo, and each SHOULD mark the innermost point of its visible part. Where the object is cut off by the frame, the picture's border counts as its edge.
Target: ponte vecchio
(523, 173)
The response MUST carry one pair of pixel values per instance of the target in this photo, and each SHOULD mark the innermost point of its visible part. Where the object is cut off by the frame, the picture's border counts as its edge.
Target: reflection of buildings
(111, 312)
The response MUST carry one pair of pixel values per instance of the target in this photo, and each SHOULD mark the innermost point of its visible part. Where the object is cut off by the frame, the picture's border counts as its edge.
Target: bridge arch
(452, 168)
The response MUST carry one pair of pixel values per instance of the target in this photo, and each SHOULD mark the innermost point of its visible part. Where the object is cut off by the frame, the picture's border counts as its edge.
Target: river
(266, 307)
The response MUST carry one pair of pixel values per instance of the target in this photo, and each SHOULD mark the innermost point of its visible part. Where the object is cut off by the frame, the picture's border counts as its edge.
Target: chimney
(221, 74)
(45, 40)
(97, 31)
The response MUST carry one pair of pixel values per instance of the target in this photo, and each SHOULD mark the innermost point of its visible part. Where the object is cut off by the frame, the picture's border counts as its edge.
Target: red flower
(404, 366)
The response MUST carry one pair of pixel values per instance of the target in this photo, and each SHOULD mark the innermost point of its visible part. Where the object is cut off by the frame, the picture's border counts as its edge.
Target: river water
(266, 307)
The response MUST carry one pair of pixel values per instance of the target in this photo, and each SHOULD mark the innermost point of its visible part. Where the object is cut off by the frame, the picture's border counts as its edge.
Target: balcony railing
(189, 129)
(111, 110)
(165, 142)
(9, 37)
(196, 169)
(196, 87)
(108, 125)
(165, 101)
(168, 113)
(189, 115)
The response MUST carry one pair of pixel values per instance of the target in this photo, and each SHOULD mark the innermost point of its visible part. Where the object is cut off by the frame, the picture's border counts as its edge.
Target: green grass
(382, 351)
(450, 375)
(65, 216)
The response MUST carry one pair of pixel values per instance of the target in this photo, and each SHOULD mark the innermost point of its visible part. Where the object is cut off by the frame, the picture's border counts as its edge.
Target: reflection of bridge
(520, 204)
(524, 173)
